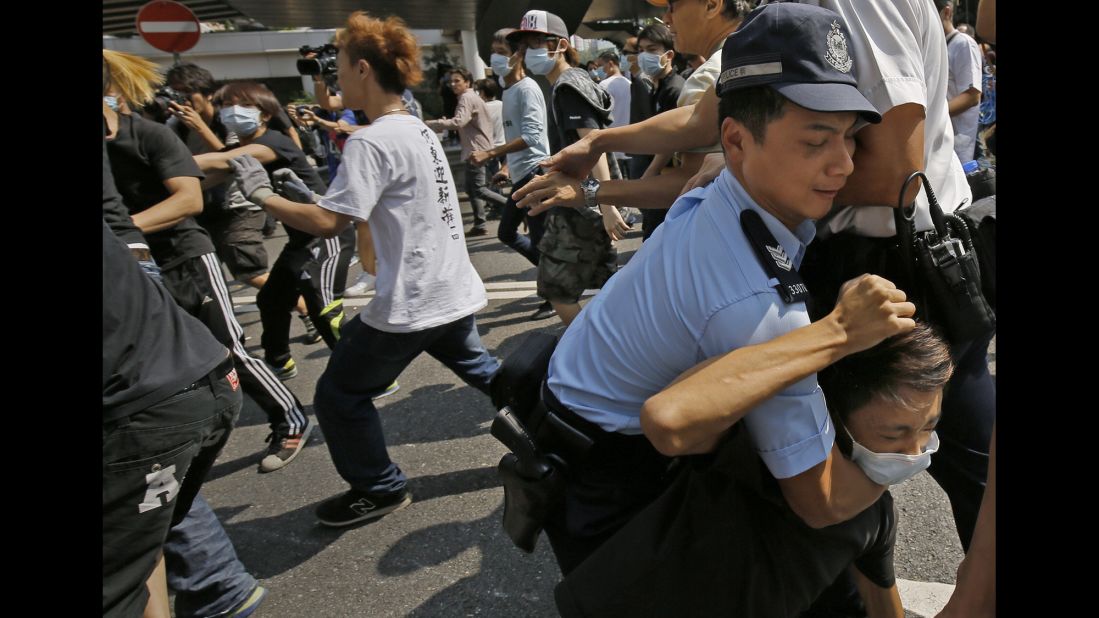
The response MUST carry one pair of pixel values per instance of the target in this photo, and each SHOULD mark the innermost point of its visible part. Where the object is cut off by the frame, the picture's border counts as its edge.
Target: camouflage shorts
(576, 255)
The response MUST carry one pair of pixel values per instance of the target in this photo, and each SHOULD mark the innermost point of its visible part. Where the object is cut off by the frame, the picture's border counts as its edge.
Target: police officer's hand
(254, 183)
(869, 310)
(553, 189)
(712, 165)
(575, 160)
(612, 221)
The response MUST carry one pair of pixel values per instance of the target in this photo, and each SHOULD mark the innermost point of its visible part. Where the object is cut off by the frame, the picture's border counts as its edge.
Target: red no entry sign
(168, 26)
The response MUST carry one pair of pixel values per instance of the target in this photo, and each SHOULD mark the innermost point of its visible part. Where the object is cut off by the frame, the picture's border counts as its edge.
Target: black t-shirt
(115, 214)
(151, 347)
(573, 112)
(641, 99)
(143, 155)
(289, 155)
(667, 93)
(721, 541)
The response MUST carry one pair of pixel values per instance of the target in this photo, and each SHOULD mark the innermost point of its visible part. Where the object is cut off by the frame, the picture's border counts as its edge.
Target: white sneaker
(364, 284)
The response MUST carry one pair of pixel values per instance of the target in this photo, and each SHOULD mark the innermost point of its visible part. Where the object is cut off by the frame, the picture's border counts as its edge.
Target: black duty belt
(600, 439)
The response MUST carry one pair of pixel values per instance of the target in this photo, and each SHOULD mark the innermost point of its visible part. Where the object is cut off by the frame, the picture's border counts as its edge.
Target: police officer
(721, 274)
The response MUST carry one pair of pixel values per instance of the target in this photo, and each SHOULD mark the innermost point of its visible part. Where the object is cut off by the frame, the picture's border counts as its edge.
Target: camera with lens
(158, 107)
(324, 63)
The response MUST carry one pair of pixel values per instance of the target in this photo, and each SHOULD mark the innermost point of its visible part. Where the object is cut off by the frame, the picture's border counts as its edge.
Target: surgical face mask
(241, 120)
(623, 62)
(892, 468)
(649, 64)
(499, 64)
(539, 61)
(112, 102)
(599, 73)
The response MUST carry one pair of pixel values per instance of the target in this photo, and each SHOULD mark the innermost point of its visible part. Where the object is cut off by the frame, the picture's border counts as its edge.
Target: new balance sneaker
(356, 506)
(311, 334)
(285, 371)
(362, 285)
(283, 449)
(248, 607)
(389, 390)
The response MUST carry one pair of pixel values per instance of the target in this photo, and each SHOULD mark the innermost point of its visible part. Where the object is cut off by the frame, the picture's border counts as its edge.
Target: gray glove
(254, 183)
(293, 188)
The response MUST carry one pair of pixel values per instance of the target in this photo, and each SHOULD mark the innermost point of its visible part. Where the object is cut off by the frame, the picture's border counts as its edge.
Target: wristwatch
(591, 187)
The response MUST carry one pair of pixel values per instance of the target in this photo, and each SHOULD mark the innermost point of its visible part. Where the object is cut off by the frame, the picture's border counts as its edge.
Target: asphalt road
(445, 555)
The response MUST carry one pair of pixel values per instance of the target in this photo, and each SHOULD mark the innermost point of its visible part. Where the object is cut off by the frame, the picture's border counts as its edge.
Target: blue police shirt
(693, 291)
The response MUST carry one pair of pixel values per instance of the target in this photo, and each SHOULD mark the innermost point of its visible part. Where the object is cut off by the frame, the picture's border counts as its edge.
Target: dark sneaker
(285, 371)
(545, 310)
(356, 506)
(311, 334)
(283, 449)
(476, 231)
(248, 607)
(389, 390)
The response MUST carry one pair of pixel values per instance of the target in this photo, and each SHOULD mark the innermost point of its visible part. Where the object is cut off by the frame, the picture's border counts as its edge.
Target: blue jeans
(366, 361)
(510, 218)
(203, 569)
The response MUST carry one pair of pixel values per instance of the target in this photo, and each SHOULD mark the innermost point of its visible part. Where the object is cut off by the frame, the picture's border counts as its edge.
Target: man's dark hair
(918, 360)
(489, 87)
(659, 34)
(735, 9)
(610, 56)
(753, 107)
(189, 77)
(501, 36)
(466, 75)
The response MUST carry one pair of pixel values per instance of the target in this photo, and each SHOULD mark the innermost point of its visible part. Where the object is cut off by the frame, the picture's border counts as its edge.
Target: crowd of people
(740, 394)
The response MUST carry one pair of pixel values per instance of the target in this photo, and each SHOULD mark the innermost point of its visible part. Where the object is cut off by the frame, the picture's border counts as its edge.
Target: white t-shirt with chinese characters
(395, 175)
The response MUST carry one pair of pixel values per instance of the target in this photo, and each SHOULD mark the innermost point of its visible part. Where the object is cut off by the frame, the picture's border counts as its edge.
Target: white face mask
(112, 102)
(240, 120)
(499, 64)
(649, 63)
(892, 468)
(539, 61)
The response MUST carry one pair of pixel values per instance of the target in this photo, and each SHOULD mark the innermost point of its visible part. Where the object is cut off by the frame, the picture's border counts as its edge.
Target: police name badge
(773, 258)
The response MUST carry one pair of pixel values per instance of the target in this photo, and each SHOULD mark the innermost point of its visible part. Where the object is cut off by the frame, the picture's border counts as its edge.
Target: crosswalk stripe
(501, 291)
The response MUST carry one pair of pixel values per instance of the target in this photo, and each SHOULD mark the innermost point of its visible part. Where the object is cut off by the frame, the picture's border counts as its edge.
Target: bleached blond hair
(134, 78)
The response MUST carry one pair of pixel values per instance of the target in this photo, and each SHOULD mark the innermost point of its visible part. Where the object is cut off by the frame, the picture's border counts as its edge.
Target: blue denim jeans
(366, 361)
(510, 218)
(203, 569)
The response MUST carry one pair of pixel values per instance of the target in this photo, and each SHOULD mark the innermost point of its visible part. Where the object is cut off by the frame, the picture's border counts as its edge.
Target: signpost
(168, 26)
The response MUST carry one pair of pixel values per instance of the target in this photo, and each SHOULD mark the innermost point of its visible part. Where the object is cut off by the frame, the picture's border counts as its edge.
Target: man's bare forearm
(690, 415)
(654, 192)
(670, 130)
(964, 101)
(309, 218)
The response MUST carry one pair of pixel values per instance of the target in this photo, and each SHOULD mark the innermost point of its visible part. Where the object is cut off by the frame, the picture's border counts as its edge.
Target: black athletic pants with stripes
(199, 287)
(318, 273)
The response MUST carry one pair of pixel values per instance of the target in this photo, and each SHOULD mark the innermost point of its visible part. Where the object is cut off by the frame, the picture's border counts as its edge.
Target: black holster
(542, 445)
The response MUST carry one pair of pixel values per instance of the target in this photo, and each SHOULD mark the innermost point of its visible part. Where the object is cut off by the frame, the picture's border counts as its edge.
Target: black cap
(542, 22)
(800, 51)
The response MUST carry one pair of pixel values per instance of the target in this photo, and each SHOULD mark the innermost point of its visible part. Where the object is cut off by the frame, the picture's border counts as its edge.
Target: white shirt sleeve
(359, 181)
